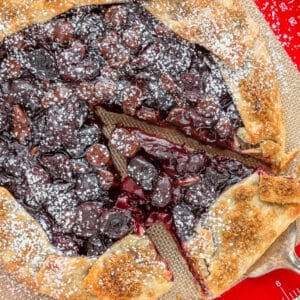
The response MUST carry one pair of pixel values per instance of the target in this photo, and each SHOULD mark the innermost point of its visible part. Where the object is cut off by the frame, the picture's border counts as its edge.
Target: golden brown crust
(129, 270)
(224, 28)
(255, 89)
(24, 246)
(62, 277)
(221, 26)
(26, 252)
(279, 190)
(241, 233)
(16, 15)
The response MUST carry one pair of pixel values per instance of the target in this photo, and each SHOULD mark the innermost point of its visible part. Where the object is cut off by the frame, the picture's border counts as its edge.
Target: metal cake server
(281, 254)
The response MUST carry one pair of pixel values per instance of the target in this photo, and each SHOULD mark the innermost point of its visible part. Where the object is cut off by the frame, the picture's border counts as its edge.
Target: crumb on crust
(259, 92)
(279, 190)
(244, 193)
(128, 270)
(225, 38)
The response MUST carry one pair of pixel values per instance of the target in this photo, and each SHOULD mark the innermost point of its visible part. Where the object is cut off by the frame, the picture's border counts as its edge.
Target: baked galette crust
(237, 231)
(24, 246)
(229, 240)
(26, 252)
(129, 270)
(16, 15)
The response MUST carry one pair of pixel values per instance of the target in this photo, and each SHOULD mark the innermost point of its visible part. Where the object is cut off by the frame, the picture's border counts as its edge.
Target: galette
(71, 227)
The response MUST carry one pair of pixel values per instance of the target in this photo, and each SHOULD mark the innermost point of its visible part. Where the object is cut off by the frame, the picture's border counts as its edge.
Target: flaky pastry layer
(132, 270)
(239, 228)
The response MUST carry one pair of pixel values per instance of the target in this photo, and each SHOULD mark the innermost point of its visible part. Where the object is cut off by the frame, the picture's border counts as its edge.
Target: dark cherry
(159, 99)
(84, 137)
(24, 92)
(36, 175)
(106, 179)
(167, 84)
(97, 245)
(61, 123)
(200, 195)
(179, 117)
(80, 166)
(132, 38)
(110, 73)
(182, 163)
(109, 46)
(116, 223)
(88, 25)
(161, 196)
(208, 108)
(216, 179)
(11, 68)
(59, 94)
(149, 55)
(148, 114)
(60, 206)
(21, 124)
(87, 222)
(88, 187)
(105, 89)
(71, 63)
(98, 155)
(116, 16)
(125, 142)
(85, 91)
(196, 162)
(189, 81)
(88, 69)
(41, 64)
(184, 221)
(143, 172)
(63, 31)
(12, 166)
(179, 52)
(66, 244)
(59, 165)
(223, 127)
(132, 98)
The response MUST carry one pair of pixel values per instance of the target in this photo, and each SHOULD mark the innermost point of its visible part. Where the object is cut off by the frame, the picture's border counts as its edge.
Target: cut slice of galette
(219, 209)
(123, 58)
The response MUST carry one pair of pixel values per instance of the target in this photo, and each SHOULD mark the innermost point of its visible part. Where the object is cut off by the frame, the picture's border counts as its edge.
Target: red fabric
(277, 285)
(284, 18)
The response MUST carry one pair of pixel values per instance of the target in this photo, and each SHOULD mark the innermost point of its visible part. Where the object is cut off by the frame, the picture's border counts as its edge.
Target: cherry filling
(54, 158)
(170, 183)
(122, 58)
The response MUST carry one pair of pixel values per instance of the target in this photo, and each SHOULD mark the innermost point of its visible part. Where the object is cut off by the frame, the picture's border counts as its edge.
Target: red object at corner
(284, 19)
